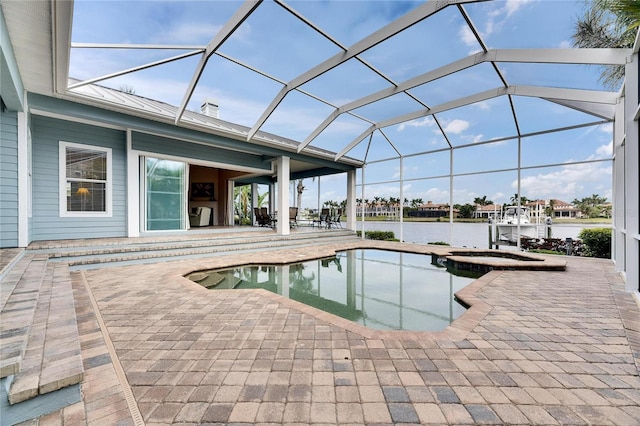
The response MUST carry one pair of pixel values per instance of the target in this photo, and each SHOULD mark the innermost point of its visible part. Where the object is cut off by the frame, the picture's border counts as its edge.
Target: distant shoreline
(564, 221)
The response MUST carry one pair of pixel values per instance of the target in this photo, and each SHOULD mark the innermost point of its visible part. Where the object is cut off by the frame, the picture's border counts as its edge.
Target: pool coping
(456, 331)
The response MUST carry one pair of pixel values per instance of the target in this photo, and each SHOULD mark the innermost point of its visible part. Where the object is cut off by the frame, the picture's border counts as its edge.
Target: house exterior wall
(47, 133)
(180, 148)
(8, 179)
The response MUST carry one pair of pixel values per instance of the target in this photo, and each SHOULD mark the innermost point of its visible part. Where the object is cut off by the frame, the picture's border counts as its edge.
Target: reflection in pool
(381, 289)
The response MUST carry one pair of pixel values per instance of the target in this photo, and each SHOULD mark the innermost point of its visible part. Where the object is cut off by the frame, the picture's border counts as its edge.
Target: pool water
(383, 290)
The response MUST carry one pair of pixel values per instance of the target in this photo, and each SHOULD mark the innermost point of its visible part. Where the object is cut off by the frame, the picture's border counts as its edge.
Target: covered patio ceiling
(362, 80)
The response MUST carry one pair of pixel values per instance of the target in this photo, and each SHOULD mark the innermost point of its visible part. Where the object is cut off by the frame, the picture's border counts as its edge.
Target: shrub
(439, 243)
(597, 242)
(379, 235)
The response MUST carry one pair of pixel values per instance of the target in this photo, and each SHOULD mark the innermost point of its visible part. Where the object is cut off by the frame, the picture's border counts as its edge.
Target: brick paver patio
(538, 347)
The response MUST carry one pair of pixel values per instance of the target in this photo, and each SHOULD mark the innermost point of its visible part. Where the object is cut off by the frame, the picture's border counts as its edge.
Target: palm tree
(127, 89)
(550, 208)
(608, 24)
(299, 190)
(523, 200)
(395, 203)
(590, 206)
(242, 198)
(482, 201)
(261, 198)
(371, 204)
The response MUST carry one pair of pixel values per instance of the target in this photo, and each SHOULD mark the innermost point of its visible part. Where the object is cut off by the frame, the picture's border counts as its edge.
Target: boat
(516, 220)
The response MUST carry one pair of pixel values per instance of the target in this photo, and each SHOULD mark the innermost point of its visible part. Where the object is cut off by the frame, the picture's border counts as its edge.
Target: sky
(282, 48)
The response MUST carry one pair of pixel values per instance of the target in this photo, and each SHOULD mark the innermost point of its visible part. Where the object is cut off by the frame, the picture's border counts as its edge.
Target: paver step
(40, 343)
(165, 250)
(212, 240)
(21, 287)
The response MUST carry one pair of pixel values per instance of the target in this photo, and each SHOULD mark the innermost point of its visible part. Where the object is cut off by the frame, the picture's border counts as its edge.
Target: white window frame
(62, 167)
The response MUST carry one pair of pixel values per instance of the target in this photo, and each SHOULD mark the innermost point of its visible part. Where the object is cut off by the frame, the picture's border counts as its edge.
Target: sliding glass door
(165, 194)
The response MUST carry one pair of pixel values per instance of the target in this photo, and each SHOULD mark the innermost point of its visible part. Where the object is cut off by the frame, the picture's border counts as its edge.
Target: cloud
(188, 33)
(456, 126)
(435, 195)
(467, 36)
(565, 44)
(477, 138)
(496, 18)
(426, 121)
(605, 151)
(512, 6)
(606, 128)
(566, 183)
(483, 105)
(498, 196)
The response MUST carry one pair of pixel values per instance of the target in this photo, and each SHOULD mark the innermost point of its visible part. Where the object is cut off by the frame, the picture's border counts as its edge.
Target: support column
(632, 175)
(282, 204)
(133, 190)
(24, 181)
(618, 202)
(364, 206)
(401, 200)
(351, 200)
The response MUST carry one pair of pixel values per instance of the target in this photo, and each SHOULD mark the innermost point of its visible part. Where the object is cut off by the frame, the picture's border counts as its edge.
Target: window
(85, 185)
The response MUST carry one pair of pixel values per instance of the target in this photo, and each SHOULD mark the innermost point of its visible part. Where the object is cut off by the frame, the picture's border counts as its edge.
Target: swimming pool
(380, 289)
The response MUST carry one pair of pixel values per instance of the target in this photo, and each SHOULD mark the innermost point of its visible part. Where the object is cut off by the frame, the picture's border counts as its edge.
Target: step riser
(150, 254)
(192, 244)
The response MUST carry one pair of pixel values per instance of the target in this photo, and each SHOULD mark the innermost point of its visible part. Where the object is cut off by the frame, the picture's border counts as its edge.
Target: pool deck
(536, 347)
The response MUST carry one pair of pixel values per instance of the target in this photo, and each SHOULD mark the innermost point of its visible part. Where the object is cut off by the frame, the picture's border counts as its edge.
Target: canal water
(461, 234)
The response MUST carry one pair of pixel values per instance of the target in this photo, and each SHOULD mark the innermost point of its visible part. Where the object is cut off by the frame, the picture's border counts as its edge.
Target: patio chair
(262, 217)
(334, 220)
(324, 217)
(293, 214)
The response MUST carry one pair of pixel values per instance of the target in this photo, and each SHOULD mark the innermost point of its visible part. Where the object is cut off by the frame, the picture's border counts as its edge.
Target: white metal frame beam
(556, 56)
(551, 93)
(133, 69)
(420, 13)
(245, 10)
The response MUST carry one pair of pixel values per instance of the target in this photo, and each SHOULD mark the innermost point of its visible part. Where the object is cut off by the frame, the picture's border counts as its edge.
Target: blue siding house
(72, 169)
(96, 173)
